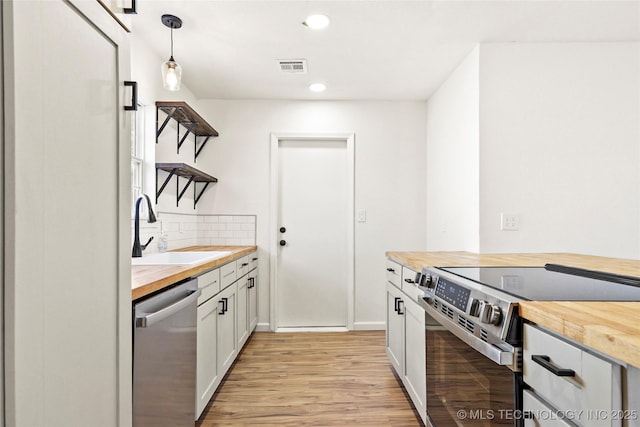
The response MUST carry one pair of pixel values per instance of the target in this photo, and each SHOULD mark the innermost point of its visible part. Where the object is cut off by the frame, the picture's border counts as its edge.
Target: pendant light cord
(172, 42)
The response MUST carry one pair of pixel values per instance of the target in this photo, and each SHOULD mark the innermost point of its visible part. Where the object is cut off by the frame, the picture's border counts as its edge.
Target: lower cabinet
(227, 343)
(405, 339)
(243, 310)
(226, 319)
(572, 381)
(207, 378)
(253, 299)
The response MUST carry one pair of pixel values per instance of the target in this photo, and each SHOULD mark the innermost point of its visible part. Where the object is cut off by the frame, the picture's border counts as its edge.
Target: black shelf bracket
(185, 171)
(160, 128)
(195, 145)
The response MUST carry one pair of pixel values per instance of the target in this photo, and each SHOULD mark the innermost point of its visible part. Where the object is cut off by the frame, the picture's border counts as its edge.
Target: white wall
(559, 144)
(453, 161)
(389, 181)
(558, 132)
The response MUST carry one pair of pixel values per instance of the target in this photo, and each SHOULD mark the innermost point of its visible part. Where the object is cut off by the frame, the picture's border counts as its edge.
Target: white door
(314, 208)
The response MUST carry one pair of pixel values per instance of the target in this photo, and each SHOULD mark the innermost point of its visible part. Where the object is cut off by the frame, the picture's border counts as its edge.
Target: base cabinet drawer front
(228, 274)
(253, 261)
(209, 284)
(541, 415)
(409, 278)
(394, 273)
(207, 378)
(571, 378)
(243, 266)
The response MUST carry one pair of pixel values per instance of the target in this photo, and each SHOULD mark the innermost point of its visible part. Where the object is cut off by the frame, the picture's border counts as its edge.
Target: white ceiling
(387, 50)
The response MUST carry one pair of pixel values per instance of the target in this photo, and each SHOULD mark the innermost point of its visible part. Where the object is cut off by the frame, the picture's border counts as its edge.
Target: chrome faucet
(151, 218)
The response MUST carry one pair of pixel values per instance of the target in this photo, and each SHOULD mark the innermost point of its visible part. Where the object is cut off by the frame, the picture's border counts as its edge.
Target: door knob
(283, 230)
(283, 242)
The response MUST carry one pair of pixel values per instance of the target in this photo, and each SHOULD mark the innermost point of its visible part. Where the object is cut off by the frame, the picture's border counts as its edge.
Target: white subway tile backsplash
(184, 230)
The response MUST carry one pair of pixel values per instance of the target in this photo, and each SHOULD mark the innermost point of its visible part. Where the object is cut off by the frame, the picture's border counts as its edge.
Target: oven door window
(464, 388)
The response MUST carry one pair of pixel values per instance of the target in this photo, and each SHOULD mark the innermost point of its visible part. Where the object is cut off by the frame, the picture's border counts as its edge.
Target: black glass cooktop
(553, 283)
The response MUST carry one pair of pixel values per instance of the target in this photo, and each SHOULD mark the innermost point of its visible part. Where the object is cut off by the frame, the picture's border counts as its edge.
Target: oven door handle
(493, 353)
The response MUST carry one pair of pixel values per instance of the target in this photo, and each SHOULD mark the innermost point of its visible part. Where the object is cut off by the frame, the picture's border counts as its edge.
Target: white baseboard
(369, 326)
(358, 326)
(263, 327)
(314, 329)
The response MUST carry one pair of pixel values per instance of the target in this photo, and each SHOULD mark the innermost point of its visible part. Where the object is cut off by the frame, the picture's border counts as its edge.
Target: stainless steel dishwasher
(164, 358)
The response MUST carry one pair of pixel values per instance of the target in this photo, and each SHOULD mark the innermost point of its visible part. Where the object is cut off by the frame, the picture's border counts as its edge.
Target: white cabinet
(227, 344)
(207, 378)
(227, 315)
(395, 329)
(66, 176)
(571, 378)
(243, 310)
(405, 334)
(540, 414)
(253, 295)
(414, 378)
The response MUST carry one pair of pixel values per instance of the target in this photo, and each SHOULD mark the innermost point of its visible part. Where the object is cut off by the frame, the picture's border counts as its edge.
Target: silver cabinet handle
(148, 319)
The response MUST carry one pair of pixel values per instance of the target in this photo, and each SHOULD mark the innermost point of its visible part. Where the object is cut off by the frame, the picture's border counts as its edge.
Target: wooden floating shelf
(183, 170)
(186, 117)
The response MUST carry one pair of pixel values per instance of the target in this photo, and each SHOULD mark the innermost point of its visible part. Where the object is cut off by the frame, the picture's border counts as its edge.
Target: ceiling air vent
(293, 65)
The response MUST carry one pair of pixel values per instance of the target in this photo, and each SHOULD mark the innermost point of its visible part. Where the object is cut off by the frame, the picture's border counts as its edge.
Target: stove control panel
(490, 313)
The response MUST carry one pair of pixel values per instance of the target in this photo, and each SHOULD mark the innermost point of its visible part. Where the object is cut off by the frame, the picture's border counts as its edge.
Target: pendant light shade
(171, 75)
(171, 70)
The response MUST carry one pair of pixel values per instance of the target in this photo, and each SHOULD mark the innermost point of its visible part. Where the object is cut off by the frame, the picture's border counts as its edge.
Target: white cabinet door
(253, 300)
(227, 344)
(66, 215)
(415, 373)
(243, 311)
(395, 329)
(207, 378)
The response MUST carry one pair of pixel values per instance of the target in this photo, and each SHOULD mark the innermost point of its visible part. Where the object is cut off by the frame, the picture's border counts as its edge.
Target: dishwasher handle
(144, 320)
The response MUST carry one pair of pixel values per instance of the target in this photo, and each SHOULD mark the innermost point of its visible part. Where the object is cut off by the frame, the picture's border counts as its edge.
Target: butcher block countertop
(612, 328)
(146, 279)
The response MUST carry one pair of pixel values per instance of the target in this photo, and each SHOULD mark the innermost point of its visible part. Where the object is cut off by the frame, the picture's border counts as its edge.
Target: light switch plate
(362, 215)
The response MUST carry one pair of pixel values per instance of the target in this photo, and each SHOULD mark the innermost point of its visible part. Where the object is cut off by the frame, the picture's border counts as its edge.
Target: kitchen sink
(179, 258)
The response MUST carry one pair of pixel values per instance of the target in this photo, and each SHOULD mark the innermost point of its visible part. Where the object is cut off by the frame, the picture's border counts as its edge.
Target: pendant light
(171, 70)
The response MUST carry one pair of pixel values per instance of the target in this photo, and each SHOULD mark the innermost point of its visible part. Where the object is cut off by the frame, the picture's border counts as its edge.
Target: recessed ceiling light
(317, 87)
(317, 22)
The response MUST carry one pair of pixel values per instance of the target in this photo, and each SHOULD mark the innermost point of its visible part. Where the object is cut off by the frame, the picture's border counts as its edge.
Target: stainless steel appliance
(164, 358)
(474, 334)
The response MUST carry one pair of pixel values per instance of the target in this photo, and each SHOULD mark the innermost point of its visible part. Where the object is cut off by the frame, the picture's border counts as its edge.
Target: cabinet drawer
(209, 284)
(228, 274)
(243, 266)
(541, 415)
(394, 273)
(253, 261)
(594, 386)
(409, 278)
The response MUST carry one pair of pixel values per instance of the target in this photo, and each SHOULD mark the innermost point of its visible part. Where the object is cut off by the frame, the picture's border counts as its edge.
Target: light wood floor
(311, 379)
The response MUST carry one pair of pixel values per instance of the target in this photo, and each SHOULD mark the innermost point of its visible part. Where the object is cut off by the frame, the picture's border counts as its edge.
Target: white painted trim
(349, 139)
(314, 329)
(370, 326)
(262, 327)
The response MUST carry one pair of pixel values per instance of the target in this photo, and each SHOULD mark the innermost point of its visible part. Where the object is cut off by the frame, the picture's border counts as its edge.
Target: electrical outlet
(362, 215)
(509, 221)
